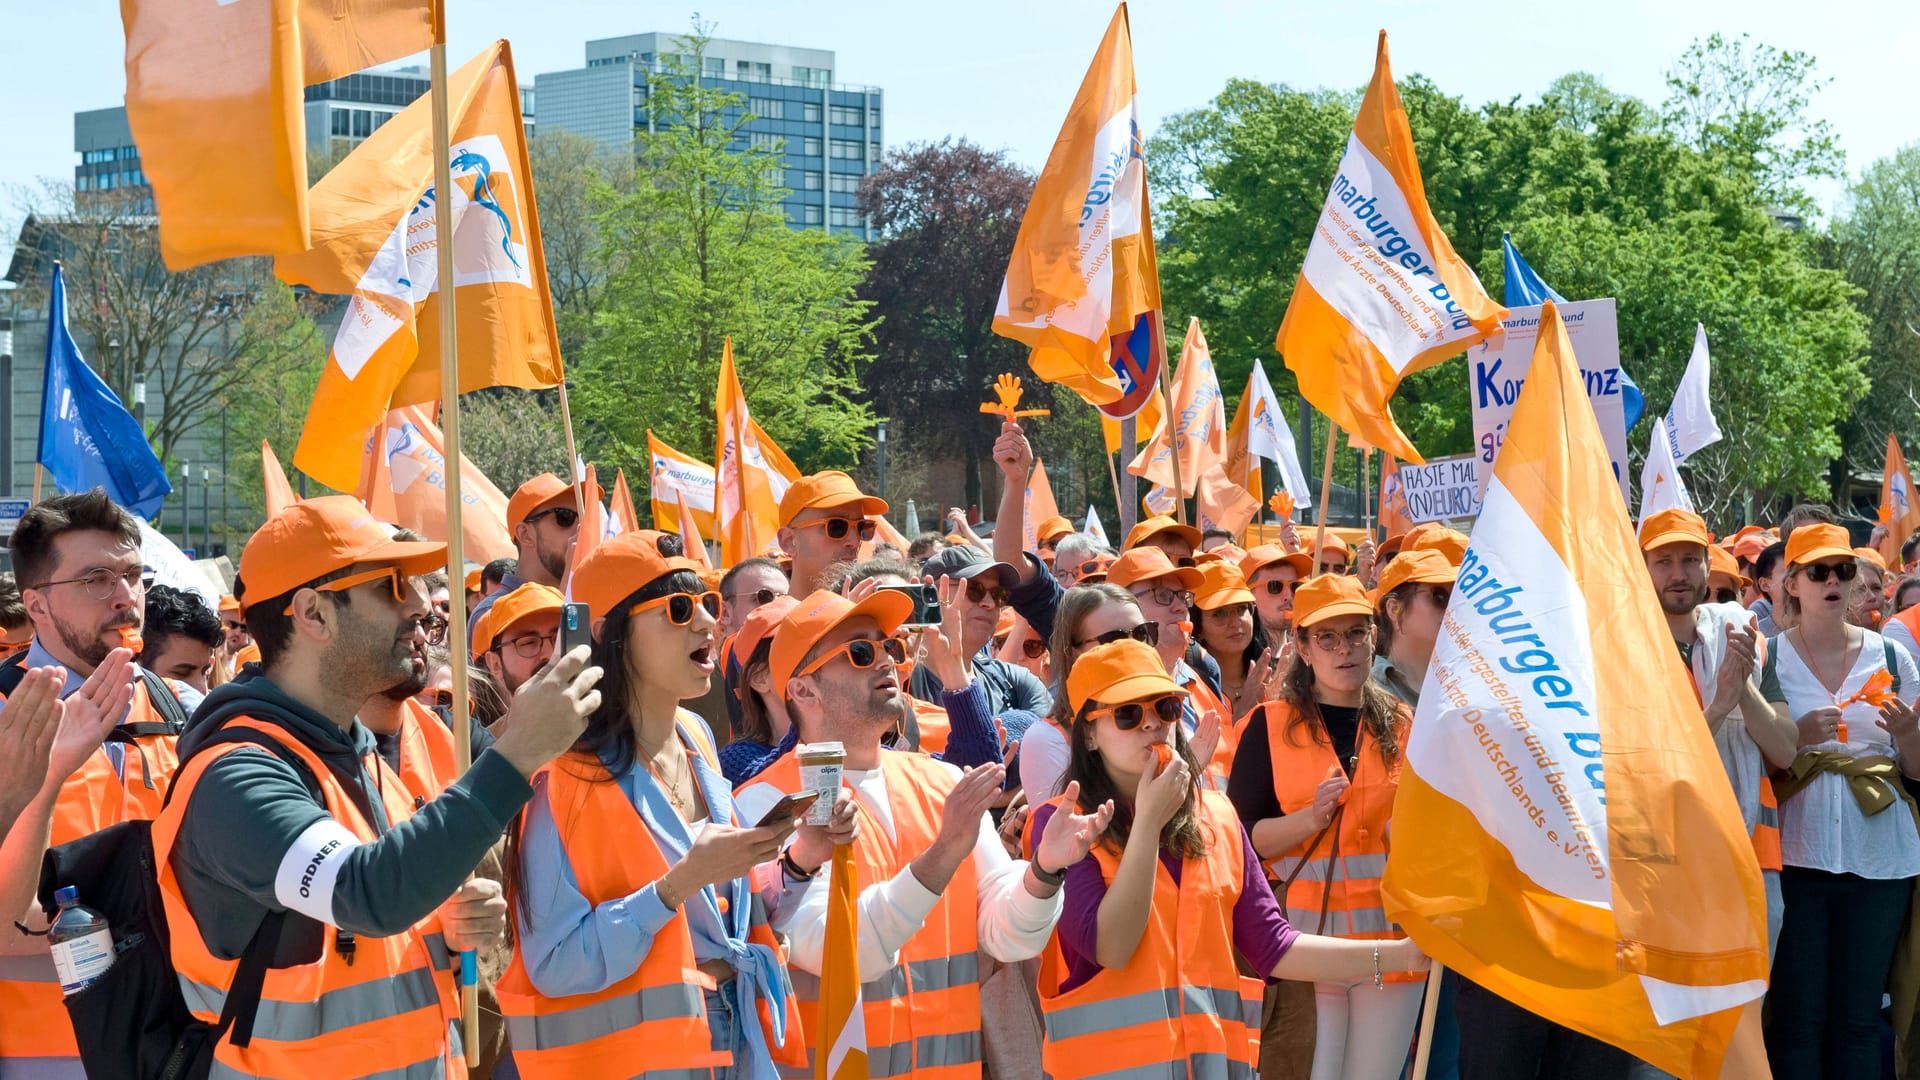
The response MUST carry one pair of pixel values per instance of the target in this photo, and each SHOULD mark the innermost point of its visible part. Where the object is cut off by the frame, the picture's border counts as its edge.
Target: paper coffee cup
(820, 768)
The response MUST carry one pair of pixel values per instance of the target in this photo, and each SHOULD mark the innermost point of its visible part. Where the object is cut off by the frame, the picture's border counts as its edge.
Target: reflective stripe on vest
(335, 1010)
(1766, 828)
(1197, 1067)
(571, 1027)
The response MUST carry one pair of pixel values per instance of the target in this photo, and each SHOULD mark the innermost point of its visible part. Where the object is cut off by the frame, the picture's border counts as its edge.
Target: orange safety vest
(653, 1023)
(1910, 618)
(33, 1020)
(394, 1009)
(934, 726)
(426, 752)
(1342, 871)
(1220, 766)
(1180, 1007)
(922, 1015)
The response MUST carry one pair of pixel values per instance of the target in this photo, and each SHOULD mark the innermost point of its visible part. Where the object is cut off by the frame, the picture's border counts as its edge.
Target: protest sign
(1441, 490)
(1497, 367)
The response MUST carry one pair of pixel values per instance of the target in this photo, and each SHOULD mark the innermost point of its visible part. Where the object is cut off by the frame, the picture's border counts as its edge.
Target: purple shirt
(1260, 931)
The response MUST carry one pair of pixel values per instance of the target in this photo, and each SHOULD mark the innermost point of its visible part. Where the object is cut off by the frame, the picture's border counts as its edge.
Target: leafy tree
(1876, 243)
(513, 436)
(1744, 104)
(571, 174)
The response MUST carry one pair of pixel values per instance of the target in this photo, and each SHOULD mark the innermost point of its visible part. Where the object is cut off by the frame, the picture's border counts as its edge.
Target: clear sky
(1002, 72)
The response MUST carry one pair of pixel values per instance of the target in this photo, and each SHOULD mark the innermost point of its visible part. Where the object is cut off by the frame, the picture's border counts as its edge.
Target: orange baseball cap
(1720, 561)
(474, 577)
(1674, 526)
(1427, 567)
(318, 536)
(1751, 544)
(536, 493)
(1162, 523)
(1118, 672)
(815, 617)
(1818, 541)
(826, 491)
(1266, 555)
(1394, 543)
(1231, 554)
(1329, 595)
(758, 627)
(1868, 554)
(1150, 564)
(524, 602)
(1220, 585)
(622, 566)
(1053, 528)
(1334, 542)
(228, 603)
(1449, 542)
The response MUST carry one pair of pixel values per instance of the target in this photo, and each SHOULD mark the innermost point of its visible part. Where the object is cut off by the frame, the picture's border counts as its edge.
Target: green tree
(572, 173)
(1744, 104)
(700, 251)
(1876, 243)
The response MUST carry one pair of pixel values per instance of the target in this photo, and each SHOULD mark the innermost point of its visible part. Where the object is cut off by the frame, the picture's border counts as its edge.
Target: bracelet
(1378, 982)
(1053, 878)
(792, 869)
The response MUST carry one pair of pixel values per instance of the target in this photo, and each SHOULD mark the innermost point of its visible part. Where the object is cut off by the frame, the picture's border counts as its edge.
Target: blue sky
(1002, 72)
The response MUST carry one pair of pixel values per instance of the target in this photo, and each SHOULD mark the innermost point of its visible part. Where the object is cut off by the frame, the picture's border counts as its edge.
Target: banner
(1039, 505)
(1899, 507)
(1199, 421)
(404, 481)
(1690, 423)
(279, 492)
(1444, 489)
(675, 475)
(1497, 368)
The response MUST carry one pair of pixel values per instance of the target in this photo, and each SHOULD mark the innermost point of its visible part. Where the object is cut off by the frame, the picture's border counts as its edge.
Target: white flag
(1660, 485)
(1093, 528)
(1268, 436)
(1690, 422)
(171, 566)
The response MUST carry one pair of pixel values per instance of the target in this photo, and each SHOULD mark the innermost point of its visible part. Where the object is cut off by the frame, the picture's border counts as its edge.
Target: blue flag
(1525, 289)
(87, 438)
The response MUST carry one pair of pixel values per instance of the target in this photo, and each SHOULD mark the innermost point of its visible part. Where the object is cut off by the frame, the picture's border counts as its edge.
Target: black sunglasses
(1133, 713)
(1147, 633)
(1276, 587)
(837, 528)
(1819, 572)
(564, 516)
(977, 592)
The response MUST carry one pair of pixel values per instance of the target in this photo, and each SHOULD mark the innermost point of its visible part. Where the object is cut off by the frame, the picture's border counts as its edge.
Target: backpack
(133, 1022)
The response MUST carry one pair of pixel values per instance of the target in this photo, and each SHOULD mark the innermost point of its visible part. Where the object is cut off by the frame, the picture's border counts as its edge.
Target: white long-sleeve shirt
(1012, 923)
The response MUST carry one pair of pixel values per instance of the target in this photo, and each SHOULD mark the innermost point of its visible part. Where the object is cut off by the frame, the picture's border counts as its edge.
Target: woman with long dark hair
(1088, 615)
(640, 935)
(1160, 908)
(1230, 633)
(1314, 782)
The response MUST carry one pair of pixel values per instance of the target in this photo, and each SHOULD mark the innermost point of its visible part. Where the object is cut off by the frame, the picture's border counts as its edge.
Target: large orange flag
(690, 534)
(1899, 508)
(1039, 505)
(215, 103)
(746, 509)
(840, 1043)
(1241, 464)
(1564, 834)
(1199, 427)
(279, 492)
(404, 481)
(375, 228)
(1082, 271)
(624, 515)
(673, 474)
(1381, 294)
(1395, 517)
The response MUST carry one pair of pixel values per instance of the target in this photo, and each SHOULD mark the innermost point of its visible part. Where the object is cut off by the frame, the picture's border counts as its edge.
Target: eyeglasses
(837, 527)
(861, 653)
(528, 646)
(1147, 633)
(1816, 572)
(443, 699)
(1356, 638)
(390, 573)
(1033, 648)
(231, 625)
(1165, 597)
(1333, 568)
(99, 583)
(758, 596)
(977, 592)
(9, 648)
(680, 606)
(564, 516)
(1129, 716)
(436, 628)
(1276, 587)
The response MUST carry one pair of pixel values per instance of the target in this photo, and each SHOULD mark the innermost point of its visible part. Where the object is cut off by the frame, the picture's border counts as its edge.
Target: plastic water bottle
(81, 940)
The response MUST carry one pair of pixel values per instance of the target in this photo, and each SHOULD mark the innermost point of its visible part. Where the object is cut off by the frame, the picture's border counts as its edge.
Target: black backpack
(133, 1023)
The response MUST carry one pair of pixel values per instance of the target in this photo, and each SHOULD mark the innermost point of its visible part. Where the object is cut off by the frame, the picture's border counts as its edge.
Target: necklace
(671, 787)
(1846, 645)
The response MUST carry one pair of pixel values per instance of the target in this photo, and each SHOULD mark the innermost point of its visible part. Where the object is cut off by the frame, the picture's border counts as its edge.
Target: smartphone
(926, 603)
(576, 627)
(789, 808)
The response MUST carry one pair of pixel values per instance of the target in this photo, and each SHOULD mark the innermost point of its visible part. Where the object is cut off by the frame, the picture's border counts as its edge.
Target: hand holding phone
(576, 628)
(788, 808)
(926, 603)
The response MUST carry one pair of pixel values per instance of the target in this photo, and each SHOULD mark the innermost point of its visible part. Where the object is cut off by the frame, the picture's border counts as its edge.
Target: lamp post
(880, 457)
(140, 397)
(186, 505)
(6, 388)
(206, 509)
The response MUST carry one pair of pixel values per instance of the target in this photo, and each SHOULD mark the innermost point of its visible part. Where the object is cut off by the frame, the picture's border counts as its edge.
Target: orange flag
(593, 527)
(1381, 294)
(375, 224)
(405, 482)
(1082, 272)
(1899, 509)
(1395, 518)
(674, 473)
(1199, 421)
(1563, 833)
(279, 492)
(840, 1047)
(746, 509)
(624, 515)
(690, 534)
(228, 164)
(1223, 503)
(1241, 464)
(885, 533)
(1039, 505)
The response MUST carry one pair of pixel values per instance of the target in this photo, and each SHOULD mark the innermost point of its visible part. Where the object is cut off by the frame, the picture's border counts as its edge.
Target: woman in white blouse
(1847, 834)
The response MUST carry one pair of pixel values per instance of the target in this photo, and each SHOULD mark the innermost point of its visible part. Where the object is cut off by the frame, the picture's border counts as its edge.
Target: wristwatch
(1055, 878)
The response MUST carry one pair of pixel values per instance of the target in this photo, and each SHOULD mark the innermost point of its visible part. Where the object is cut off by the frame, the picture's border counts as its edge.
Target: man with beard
(289, 832)
(78, 561)
(545, 521)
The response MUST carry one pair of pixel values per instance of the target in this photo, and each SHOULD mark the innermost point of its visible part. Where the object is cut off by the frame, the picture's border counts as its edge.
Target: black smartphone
(926, 603)
(788, 808)
(576, 627)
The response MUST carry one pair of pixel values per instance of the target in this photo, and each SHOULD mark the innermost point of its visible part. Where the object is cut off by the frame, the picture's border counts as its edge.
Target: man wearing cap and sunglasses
(823, 520)
(544, 518)
(982, 596)
(936, 884)
(288, 832)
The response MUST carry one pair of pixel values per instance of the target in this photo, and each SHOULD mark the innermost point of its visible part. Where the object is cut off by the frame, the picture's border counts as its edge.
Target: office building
(828, 133)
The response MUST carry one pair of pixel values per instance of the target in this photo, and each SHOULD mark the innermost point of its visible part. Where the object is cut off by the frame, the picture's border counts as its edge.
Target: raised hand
(1013, 453)
(549, 712)
(28, 727)
(1069, 835)
(90, 713)
(813, 844)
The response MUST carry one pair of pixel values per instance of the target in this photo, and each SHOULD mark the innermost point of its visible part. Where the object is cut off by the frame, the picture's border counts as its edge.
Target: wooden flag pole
(573, 454)
(1113, 475)
(1423, 1051)
(1326, 491)
(450, 431)
(1171, 419)
(40, 473)
(1129, 484)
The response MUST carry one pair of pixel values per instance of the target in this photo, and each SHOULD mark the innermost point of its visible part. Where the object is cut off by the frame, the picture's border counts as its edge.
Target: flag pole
(1172, 420)
(1429, 1010)
(1129, 484)
(573, 454)
(450, 432)
(1326, 490)
(1113, 475)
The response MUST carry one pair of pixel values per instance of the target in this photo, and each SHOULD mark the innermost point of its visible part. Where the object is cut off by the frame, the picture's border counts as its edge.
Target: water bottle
(81, 940)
